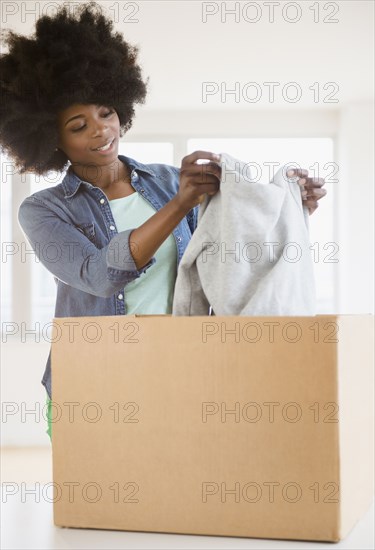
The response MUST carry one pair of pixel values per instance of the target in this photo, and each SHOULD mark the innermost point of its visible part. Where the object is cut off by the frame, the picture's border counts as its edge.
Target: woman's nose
(100, 126)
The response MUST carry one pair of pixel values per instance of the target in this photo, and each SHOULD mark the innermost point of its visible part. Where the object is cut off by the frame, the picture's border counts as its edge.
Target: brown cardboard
(179, 465)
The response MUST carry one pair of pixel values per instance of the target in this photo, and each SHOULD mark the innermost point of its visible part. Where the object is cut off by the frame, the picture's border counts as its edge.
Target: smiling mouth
(105, 147)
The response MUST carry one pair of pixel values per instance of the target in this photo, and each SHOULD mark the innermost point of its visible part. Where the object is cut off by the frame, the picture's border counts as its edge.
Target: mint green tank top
(152, 292)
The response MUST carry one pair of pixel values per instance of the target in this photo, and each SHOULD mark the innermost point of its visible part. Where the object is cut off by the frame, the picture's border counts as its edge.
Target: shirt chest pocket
(88, 229)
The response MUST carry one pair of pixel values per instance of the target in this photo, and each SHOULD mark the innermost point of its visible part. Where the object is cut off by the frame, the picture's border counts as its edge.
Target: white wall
(355, 208)
(21, 391)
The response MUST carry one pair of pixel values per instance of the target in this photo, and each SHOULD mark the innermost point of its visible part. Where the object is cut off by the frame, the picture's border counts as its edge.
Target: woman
(114, 230)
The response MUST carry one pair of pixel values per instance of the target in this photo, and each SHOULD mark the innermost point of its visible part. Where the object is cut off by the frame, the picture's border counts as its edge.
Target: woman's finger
(297, 172)
(315, 182)
(315, 194)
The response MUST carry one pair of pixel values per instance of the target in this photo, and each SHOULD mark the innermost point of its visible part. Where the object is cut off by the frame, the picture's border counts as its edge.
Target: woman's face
(85, 128)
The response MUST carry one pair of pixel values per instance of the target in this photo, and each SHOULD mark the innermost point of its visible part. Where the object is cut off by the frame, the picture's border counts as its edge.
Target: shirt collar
(71, 181)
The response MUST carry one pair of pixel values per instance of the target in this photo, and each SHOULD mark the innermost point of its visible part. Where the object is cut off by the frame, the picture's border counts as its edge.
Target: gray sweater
(249, 254)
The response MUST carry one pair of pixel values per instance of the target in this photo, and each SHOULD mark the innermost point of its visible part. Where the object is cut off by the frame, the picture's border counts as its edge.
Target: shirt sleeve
(72, 257)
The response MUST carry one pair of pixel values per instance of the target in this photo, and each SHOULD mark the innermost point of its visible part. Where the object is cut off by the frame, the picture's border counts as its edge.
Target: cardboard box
(234, 426)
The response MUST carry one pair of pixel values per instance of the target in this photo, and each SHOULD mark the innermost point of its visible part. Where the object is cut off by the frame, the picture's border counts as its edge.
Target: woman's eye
(78, 129)
(104, 116)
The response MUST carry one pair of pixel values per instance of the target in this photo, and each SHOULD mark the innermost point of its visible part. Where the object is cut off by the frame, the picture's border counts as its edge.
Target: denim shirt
(71, 229)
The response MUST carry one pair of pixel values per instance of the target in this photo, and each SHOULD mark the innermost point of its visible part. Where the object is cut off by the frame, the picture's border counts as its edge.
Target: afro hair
(71, 58)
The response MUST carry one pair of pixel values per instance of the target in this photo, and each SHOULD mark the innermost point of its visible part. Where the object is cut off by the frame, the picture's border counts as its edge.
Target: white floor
(27, 524)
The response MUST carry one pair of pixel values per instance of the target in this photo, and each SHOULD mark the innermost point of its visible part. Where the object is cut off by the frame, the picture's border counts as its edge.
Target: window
(38, 284)
(147, 153)
(8, 247)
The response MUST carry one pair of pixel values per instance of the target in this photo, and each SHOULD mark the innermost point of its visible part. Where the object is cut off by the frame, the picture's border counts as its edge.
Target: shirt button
(134, 175)
(120, 296)
(112, 227)
(102, 201)
(179, 239)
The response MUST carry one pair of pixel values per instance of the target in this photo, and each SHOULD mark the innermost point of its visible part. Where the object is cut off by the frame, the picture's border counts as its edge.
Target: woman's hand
(311, 188)
(197, 179)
